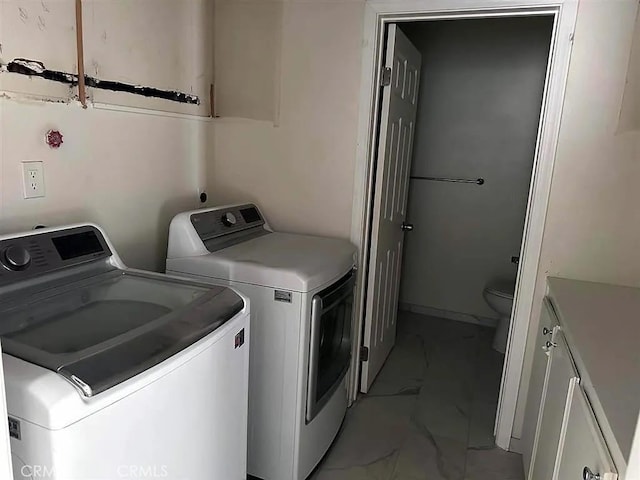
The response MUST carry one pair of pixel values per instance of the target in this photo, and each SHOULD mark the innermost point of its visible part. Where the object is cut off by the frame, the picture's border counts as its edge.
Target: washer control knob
(16, 257)
(229, 219)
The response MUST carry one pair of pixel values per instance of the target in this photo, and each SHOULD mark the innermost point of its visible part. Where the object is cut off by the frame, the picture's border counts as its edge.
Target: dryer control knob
(229, 219)
(16, 257)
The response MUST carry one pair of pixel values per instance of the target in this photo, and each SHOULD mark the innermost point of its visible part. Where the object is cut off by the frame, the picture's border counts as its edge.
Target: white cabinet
(567, 444)
(583, 453)
(560, 381)
(5, 450)
(601, 431)
(536, 383)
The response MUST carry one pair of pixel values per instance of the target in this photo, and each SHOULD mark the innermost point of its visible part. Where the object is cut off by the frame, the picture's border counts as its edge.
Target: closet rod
(477, 181)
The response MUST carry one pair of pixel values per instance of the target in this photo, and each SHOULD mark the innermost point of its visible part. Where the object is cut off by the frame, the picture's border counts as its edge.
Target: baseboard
(457, 316)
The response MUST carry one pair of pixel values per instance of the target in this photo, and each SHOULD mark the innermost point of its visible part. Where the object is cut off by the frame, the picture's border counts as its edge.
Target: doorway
(558, 21)
(477, 123)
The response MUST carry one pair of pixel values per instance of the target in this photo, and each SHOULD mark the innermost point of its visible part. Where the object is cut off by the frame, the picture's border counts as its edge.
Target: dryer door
(330, 344)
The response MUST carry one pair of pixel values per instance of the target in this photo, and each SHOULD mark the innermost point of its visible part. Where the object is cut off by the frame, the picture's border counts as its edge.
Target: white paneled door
(397, 125)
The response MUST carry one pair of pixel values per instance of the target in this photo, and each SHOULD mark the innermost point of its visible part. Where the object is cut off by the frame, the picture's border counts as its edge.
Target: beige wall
(156, 43)
(165, 44)
(593, 222)
(630, 114)
(248, 41)
(128, 171)
(300, 171)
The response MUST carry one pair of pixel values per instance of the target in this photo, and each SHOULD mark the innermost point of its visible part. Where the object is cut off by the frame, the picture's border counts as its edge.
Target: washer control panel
(41, 253)
(16, 257)
(221, 227)
(229, 219)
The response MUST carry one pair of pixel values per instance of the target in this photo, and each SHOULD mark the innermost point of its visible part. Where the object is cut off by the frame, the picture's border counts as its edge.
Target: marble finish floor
(430, 413)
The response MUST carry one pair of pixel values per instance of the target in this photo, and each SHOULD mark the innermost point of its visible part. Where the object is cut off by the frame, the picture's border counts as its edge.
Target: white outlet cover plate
(33, 179)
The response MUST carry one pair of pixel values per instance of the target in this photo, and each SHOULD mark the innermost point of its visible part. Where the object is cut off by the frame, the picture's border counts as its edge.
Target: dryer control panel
(223, 227)
(41, 253)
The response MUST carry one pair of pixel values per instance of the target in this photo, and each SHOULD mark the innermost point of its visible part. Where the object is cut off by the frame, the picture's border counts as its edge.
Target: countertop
(602, 326)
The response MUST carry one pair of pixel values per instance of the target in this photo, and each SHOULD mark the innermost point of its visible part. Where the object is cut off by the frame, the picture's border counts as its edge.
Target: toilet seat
(504, 290)
(499, 296)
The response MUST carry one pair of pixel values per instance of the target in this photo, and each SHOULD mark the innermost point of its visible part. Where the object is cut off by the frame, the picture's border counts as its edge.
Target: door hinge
(364, 354)
(385, 81)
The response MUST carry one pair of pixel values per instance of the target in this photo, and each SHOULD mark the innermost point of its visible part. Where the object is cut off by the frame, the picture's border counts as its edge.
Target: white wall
(248, 42)
(630, 114)
(480, 95)
(593, 222)
(301, 171)
(157, 43)
(129, 171)
(166, 44)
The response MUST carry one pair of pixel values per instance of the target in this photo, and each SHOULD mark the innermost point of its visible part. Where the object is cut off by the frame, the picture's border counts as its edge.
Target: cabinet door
(537, 382)
(582, 445)
(560, 381)
(5, 450)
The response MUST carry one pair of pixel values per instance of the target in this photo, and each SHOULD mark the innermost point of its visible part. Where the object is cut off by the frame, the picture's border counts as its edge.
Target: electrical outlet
(33, 179)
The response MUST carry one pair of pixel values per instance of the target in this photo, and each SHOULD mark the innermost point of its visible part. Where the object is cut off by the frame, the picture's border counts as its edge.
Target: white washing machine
(113, 373)
(301, 290)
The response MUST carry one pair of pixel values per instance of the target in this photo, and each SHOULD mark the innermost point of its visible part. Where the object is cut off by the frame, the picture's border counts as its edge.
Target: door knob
(546, 331)
(587, 474)
(407, 227)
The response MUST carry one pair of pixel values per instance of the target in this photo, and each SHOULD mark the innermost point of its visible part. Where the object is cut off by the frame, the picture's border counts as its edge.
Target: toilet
(499, 296)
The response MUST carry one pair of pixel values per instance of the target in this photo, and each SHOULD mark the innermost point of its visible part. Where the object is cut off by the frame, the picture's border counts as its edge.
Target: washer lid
(101, 331)
(287, 261)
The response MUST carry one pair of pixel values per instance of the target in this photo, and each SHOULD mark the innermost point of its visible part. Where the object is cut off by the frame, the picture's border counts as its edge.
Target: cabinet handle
(551, 344)
(587, 474)
(546, 331)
